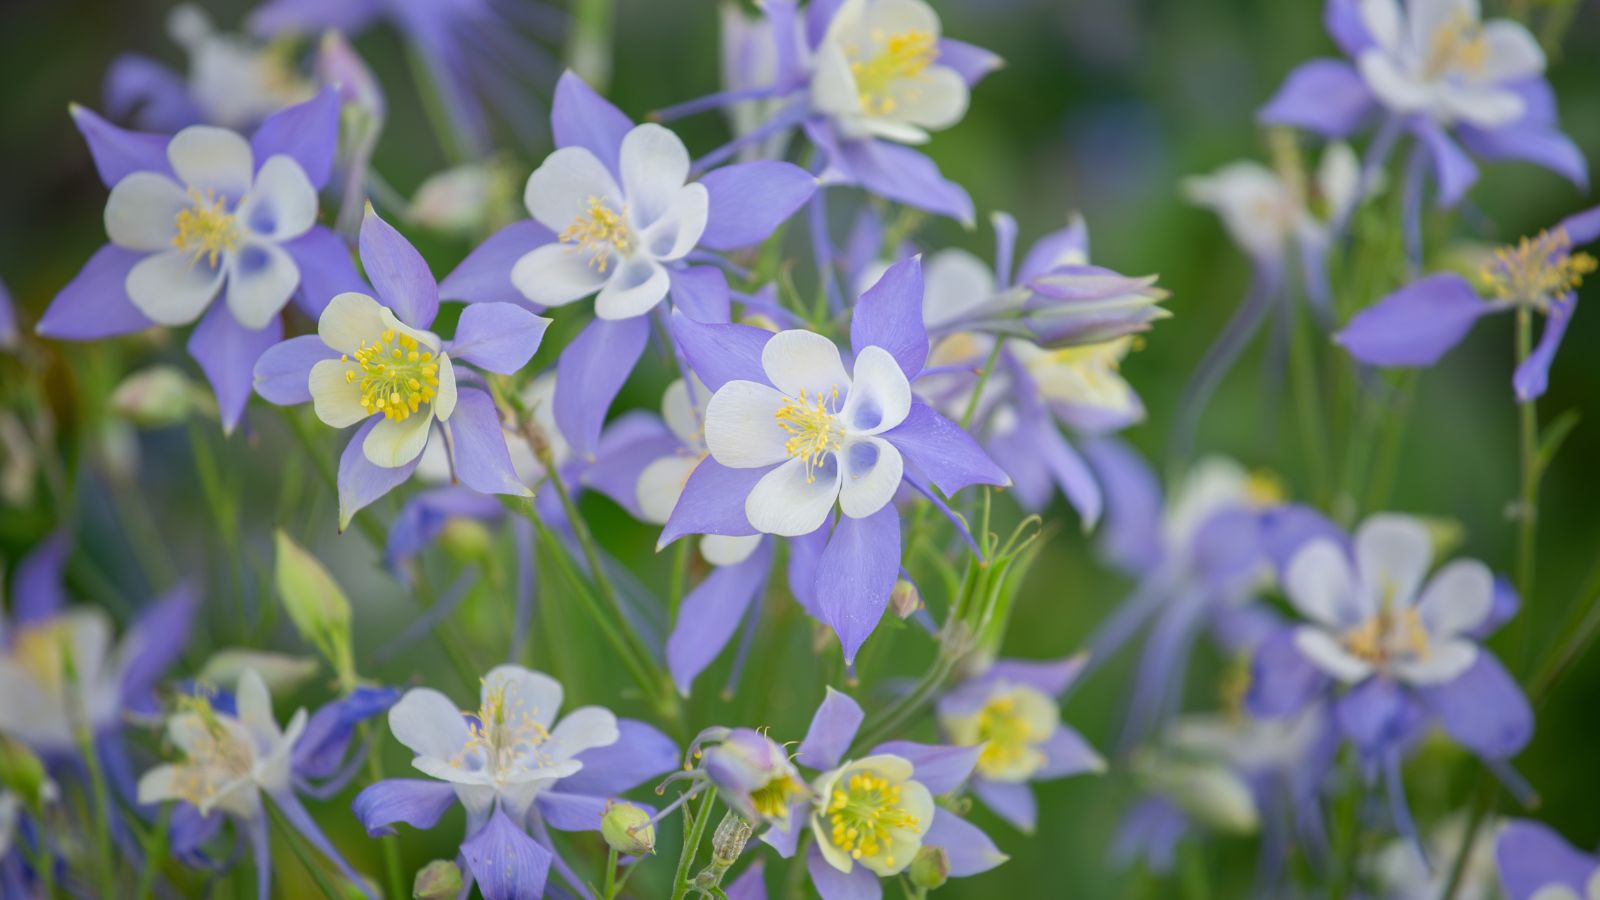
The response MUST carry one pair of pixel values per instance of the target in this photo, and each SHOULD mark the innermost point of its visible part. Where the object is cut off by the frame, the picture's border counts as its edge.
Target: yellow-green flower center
(206, 229)
(600, 232)
(897, 57)
(503, 737)
(1458, 45)
(1388, 635)
(813, 427)
(1537, 269)
(1009, 735)
(861, 811)
(44, 651)
(397, 375)
(215, 758)
(772, 799)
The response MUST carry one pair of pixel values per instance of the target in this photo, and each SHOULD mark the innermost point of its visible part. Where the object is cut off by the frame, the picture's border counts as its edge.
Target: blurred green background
(1101, 108)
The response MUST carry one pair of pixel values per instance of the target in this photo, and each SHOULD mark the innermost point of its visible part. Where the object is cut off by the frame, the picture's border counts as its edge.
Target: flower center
(862, 810)
(1537, 269)
(397, 375)
(600, 232)
(502, 737)
(1458, 45)
(1008, 734)
(813, 427)
(899, 57)
(1388, 636)
(215, 759)
(772, 799)
(206, 229)
(42, 651)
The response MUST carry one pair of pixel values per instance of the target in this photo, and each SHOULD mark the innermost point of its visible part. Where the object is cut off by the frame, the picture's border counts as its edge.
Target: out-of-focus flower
(515, 768)
(1401, 875)
(614, 212)
(878, 73)
(1536, 863)
(160, 397)
(8, 320)
(376, 362)
(1010, 711)
(1416, 325)
(208, 213)
(466, 199)
(792, 435)
(872, 815)
(1434, 70)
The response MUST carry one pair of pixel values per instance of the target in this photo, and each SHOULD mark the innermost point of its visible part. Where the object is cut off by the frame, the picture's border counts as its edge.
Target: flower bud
(316, 605)
(627, 830)
(282, 673)
(438, 880)
(340, 66)
(931, 868)
(905, 599)
(157, 397)
(23, 774)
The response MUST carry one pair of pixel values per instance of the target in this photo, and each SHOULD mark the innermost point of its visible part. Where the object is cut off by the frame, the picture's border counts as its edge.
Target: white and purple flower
(1536, 863)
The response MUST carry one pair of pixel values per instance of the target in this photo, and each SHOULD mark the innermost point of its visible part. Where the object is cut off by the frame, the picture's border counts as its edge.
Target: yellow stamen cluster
(1537, 269)
(502, 738)
(1263, 488)
(43, 651)
(206, 229)
(397, 375)
(861, 812)
(1387, 635)
(1008, 735)
(599, 233)
(900, 57)
(772, 799)
(813, 427)
(1458, 45)
(213, 760)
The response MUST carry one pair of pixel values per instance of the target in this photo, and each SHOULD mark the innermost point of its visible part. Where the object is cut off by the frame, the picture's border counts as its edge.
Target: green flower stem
(155, 850)
(302, 853)
(390, 843)
(589, 41)
(694, 832)
(436, 108)
(610, 889)
(301, 429)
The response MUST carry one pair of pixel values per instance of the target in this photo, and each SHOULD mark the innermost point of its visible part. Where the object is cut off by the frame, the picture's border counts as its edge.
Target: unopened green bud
(157, 397)
(282, 673)
(316, 605)
(466, 540)
(23, 774)
(931, 868)
(905, 599)
(437, 880)
(627, 829)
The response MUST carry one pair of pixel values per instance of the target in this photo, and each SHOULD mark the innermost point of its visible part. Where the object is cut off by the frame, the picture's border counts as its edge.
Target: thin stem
(293, 839)
(589, 41)
(610, 888)
(445, 126)
(155, 850)
(983, 381)
(680, 577)
(1528, 499)
(107, 864)
(301, 430)
(694, 831)
(390, 843)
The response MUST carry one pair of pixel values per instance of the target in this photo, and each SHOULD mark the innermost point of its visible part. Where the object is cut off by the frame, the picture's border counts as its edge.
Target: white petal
(1397, 90)
(1339, 176)
(336, 399)
(393, 443)
(790, 500)
(1561, 892)
(1425, 19)
(142, 211)
(798, 361)
(428, 723)
(1485, 107)
(557, 274)
(742, 430)
(1329, 655)
(1393, 553)
(683, 407)
(1513, 53)
(1457, 598)
(872, 472)
(895, 130)
(655, 167)
(1383, 21)
(880, 395)
(215, 159)
(726, 550)
(896, 16)
(935, 99)
(254, 705)
(833, 87)
(1319, 584)
(582, 729)
(349, 319)
(282, 204)
(1252, 201)
(633, 289)
(527, 693)
(444, 400)
(1445, 661)
(955, 282)
(261, 278)
(159, 784)
(661, 484)
(172, 287)
(560, 190)
(680, 226)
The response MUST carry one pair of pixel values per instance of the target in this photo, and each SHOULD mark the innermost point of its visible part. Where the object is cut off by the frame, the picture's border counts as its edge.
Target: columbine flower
(1421, 322)
(515, 768)
(1438, 72)
(59, 669)
(614, 213)
(1536, 863)
(877, 73)
(752, 774)
(1401, 875)
(872, 814)
(1186, 788)
(792, 435)
(230, 762)
(233, 81)
(375, 363)
(206, 214)
(1010, 711)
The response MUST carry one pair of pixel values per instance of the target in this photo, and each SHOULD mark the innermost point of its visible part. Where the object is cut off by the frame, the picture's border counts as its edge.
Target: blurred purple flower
(1536, 863)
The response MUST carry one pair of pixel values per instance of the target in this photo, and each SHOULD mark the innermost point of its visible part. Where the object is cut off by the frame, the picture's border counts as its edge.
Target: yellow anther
(206, 229)
(1389, 635)
(1458, 45)
(813, 428)
(600, 232)
(895, 58)
(1537, 270)
(393, 382)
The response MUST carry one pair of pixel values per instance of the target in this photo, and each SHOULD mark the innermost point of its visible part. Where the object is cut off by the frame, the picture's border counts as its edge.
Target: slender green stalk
(106, 860)
(297, 845)
(155, 850)
(680, 577)
(983, 381)
(301, 430)
(435, 107)
(390, 843)
(694, 832)
(609, 891)
(1308, 409)
(589, 41)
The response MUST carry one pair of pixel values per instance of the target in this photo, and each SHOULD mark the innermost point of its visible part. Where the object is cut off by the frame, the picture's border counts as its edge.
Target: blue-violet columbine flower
(1536, 863)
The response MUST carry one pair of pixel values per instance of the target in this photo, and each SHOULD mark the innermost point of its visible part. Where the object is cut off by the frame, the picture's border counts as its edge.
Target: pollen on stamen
(813, 428)
(395, 377)
(600, 232)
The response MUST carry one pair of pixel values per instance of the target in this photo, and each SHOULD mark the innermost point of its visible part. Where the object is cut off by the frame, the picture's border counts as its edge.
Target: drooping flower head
(205, 215)
(375, 364)
(752, 774)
